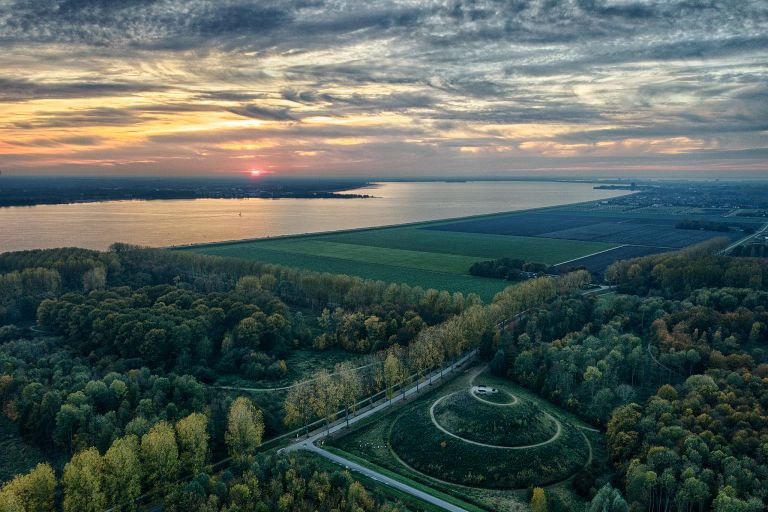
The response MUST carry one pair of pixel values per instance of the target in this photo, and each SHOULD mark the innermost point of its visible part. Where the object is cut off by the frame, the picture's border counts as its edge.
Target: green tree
(32, 492)
(608, 499)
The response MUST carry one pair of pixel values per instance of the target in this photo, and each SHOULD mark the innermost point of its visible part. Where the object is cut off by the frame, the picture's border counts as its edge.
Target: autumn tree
(325, 397)
(419, 356)
(160, 455)
(122, 473)
(245, 429)
(350, 387)
(32, 492)
(192, 434)
(538, 500)
(297, 406)
(394, 373)
(83, 482)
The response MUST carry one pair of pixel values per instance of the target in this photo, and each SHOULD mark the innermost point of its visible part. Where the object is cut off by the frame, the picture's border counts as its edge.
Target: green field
(407, 254)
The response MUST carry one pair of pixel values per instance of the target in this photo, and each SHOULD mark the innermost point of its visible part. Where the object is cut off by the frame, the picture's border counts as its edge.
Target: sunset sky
(387, 88)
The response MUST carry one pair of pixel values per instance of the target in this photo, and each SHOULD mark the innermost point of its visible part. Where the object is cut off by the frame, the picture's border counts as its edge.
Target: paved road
(740, 241)
(309, 443)
(391, 482)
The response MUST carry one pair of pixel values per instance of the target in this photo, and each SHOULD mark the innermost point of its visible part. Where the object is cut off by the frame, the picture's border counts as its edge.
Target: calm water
(175, 222)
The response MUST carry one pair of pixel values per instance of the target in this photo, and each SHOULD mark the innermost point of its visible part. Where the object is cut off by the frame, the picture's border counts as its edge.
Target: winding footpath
(289, 386)
(552, 439)
(514, 401)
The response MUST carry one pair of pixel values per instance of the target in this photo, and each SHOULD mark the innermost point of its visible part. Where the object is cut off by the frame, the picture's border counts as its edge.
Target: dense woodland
(111, 354)
(675, 367)
(109, 364)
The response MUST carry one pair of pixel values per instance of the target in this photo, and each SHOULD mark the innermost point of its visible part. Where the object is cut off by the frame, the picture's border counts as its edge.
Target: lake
(190, 221)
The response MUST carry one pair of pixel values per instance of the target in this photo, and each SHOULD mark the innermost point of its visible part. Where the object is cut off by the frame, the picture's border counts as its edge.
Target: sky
(388, 88)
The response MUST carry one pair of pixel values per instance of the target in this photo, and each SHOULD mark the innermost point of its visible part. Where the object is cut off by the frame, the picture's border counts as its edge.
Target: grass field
(419, 257)
(484, 287)
(435, 261)
(476, 245)
(438, 254)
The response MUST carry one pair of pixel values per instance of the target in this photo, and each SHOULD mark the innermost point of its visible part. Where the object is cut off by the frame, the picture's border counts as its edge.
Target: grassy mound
(512, 425)
(421, 445)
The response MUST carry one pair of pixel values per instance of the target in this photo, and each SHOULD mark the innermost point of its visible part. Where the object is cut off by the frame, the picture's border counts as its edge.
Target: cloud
(105, 116)
(267, 114)
(427, 77)
(15, 89)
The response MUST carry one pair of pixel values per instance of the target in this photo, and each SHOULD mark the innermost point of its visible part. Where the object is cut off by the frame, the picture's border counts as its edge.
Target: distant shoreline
(330, 195)
(26, 192)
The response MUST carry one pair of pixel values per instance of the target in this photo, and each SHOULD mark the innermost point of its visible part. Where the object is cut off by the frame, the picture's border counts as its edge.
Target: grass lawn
(519, 424)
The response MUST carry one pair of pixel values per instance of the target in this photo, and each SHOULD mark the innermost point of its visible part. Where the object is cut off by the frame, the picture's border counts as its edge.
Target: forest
(110, 364)
(675, 368)
(114, 353)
